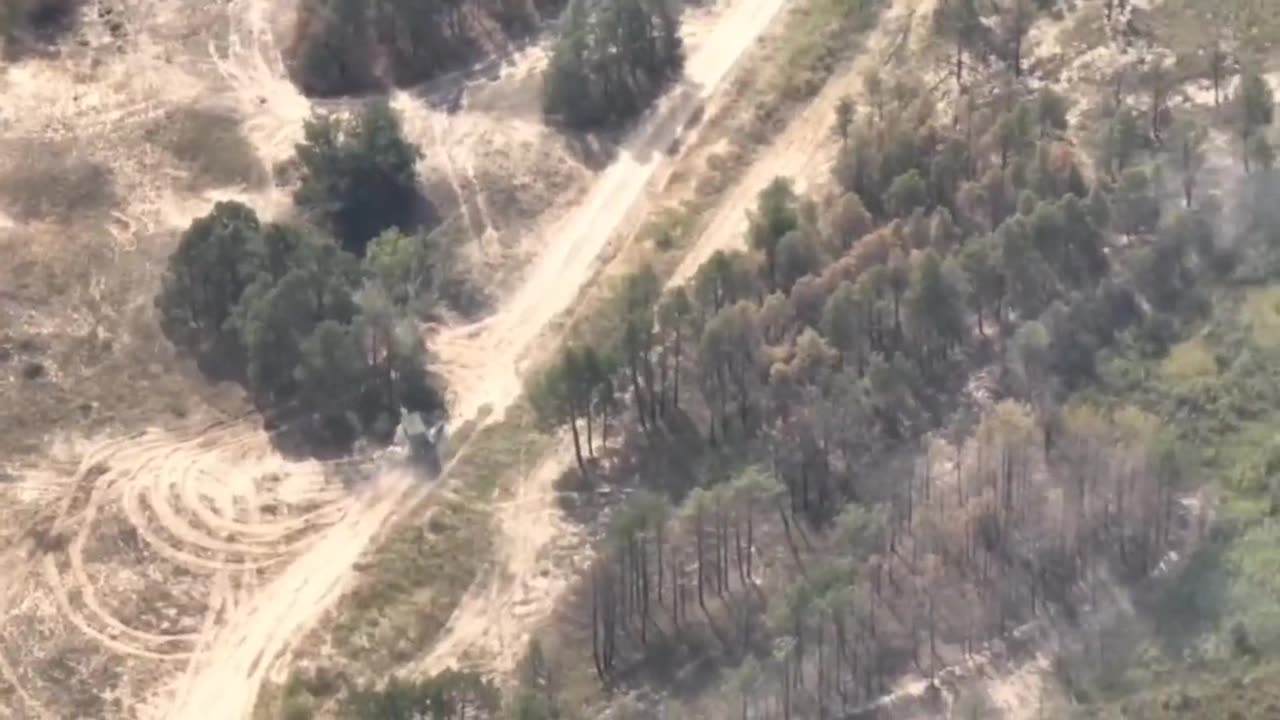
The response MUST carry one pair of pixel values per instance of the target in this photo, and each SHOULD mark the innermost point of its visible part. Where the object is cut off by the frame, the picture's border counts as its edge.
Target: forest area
(608, 62)
(917, 416)
(938, 407)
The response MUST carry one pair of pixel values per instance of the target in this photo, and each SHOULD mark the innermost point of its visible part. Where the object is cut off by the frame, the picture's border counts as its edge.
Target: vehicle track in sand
(155, 482)
(157, 487)
(494, 620)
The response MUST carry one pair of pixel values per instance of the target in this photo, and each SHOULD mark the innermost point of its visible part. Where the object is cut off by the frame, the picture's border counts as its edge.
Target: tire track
(59, 589)
(154, 482)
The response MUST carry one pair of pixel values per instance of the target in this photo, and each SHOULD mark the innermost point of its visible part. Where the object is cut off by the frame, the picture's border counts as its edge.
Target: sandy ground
(177, 566)
(537, 551)
(484, 358)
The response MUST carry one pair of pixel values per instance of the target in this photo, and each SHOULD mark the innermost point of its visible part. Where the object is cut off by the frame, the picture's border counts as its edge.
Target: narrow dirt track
(481, 362)
(494, 620)
(793, 153)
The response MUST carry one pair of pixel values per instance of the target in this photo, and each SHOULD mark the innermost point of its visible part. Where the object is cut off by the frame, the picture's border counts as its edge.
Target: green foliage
(1135, 208)
(350, 46)
(1123, 139)
(1256, 104)
(568, 390)
(846, 222)
(359, 177)
(407, 267)
(207, 275)
(334, 47)
(448, 696)
(775, 217)
(819, 32)
(934, 305)
(285, 312)
(906, 193)
(612, 59)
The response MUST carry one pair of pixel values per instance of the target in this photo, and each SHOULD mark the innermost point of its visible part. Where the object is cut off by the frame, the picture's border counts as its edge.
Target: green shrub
(359, 177)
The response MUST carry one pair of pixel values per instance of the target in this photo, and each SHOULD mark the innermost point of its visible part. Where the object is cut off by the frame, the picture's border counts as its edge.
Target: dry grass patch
(53, 181)
(1260, 313)
(80, 347)
(1189, 360)
(212, 144)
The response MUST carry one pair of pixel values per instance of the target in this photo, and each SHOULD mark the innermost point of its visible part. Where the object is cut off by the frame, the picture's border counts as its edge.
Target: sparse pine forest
(908, 421)
(957, 402)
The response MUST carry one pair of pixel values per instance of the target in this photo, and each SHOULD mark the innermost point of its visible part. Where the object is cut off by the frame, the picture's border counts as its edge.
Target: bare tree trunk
(577, 445)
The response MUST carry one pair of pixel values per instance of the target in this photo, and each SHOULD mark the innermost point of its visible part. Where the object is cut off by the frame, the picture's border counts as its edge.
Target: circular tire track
(193, 502)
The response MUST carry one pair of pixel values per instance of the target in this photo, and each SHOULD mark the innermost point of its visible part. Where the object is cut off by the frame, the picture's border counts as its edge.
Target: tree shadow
(299, 433)
(1195, 600)
(663, 127)
(424, 214)
(669, 459)
(37, 32)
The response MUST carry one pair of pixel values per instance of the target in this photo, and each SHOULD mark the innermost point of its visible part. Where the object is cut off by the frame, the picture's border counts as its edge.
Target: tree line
(611, 60)
(343, 47)
(296, 314)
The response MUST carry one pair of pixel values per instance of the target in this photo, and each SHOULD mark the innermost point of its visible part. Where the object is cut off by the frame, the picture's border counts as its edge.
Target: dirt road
(482, 363)
(485, 357)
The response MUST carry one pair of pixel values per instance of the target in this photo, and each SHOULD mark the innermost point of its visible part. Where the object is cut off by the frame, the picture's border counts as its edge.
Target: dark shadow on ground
(670, 117)
(35, 33)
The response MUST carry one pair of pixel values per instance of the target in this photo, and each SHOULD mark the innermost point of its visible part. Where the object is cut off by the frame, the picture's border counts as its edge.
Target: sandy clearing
(794, 152)
(145, 484)
(224, 681)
